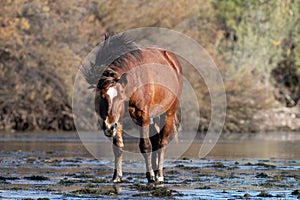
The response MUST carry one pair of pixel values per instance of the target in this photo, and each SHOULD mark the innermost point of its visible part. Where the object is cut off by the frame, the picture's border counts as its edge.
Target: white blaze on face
(112, 92)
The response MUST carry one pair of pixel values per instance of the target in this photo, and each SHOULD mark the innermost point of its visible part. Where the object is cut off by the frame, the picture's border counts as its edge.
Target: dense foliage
(42, 43)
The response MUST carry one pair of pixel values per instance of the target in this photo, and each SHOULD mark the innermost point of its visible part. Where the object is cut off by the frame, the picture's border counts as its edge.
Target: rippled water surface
(59, 165)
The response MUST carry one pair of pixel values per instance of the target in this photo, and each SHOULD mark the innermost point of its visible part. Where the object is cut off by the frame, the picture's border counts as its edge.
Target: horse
(146, 82)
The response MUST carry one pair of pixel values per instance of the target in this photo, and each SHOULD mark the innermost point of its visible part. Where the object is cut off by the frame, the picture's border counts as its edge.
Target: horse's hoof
(150, 178)
(117, 180)
(160, 179)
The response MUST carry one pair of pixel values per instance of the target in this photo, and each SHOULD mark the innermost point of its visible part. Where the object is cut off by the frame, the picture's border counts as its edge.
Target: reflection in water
(230, 146)
(117, 188)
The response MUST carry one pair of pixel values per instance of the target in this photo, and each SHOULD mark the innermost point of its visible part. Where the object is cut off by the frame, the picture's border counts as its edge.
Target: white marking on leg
(160, 179)
(112, 92)
(108, 125)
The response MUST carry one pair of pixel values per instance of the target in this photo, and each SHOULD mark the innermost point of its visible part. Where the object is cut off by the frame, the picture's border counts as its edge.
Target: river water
(72, 166)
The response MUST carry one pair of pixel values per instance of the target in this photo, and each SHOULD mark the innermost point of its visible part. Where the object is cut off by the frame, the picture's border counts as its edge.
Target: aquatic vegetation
(36, 178)
(152, 191)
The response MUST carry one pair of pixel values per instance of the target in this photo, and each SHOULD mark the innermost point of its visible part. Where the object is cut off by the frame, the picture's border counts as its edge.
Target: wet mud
(59, 170)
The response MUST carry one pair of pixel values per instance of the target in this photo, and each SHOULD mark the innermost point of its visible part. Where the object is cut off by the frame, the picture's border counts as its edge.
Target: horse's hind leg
(164, 140)
(118, 147)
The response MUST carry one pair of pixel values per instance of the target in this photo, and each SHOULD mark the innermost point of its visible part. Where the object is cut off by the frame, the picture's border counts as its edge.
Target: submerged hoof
(117, 180)
(159, 179)
(150, 178)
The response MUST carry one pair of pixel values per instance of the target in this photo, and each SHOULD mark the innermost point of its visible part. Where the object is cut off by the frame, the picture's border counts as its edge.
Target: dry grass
(44, 42)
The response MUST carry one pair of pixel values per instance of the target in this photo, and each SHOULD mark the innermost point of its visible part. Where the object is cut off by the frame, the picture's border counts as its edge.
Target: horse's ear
(123, 80)
(106, 36)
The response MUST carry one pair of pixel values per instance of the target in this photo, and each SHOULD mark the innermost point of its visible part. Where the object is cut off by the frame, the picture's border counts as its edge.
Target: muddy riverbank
(57, 166)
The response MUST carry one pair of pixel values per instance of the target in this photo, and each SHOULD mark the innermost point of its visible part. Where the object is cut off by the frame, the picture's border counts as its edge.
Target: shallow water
(58, 165)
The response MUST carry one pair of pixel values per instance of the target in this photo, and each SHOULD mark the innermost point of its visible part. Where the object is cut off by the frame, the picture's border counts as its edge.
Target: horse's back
(159, 81)
(161, 56)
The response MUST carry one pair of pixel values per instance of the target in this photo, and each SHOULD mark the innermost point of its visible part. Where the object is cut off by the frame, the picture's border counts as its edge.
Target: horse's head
(110, 107)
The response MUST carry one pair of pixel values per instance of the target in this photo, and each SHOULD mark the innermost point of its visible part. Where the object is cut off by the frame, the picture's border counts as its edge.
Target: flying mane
(114, 53)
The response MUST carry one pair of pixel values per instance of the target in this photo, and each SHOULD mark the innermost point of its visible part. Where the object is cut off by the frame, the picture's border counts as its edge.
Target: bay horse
(145, 81)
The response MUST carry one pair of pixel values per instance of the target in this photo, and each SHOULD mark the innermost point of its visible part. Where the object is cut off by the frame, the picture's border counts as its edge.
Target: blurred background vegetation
(254, 43)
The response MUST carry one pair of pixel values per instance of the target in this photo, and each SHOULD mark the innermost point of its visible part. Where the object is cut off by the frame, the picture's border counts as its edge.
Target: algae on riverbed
(75, 174)
(236, 181)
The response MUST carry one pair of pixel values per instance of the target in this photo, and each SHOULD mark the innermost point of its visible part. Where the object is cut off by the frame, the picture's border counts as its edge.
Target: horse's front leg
(118, 148)
(154, 137)
(146, 150)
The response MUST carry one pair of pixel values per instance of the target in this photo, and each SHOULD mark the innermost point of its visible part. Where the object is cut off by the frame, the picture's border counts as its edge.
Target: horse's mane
(115, 52)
